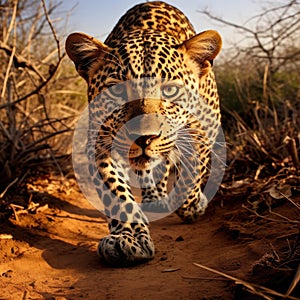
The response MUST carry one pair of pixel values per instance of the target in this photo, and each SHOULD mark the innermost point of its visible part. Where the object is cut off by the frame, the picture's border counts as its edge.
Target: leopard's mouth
(144, 162)
(141, 162)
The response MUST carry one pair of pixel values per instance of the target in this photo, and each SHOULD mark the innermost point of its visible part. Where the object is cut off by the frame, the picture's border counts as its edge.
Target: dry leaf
(279, 192)
(170, 270)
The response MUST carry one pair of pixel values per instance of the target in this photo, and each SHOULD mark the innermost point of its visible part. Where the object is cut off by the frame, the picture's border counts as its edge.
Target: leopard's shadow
(64, 246)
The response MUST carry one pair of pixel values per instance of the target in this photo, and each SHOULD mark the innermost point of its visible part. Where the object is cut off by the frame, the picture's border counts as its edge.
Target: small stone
(179, 239)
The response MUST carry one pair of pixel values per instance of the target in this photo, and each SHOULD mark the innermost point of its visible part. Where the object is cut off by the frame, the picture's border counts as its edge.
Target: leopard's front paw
(191, 210)
(124, 249)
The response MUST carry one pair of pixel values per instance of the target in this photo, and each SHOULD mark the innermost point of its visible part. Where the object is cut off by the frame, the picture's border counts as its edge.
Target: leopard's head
(148, 92)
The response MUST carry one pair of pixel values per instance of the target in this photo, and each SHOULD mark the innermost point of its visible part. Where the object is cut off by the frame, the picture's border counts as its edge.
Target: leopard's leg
(129, 241)
(193, 201)
(154, 189)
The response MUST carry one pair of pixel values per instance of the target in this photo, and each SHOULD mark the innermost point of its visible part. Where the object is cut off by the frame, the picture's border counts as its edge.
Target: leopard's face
(146, 92)
(149, 126)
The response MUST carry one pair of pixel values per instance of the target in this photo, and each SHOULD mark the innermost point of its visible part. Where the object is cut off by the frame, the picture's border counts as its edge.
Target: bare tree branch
(19, 61)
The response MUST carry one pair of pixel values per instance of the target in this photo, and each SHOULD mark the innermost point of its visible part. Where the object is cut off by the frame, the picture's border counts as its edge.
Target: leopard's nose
(145, 140)
(143, 129)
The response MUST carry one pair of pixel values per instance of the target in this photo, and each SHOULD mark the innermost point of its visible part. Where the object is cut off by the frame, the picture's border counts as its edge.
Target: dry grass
(37, 107)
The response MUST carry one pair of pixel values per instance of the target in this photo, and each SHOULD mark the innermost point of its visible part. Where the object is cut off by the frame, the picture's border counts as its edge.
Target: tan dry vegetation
(40, 94)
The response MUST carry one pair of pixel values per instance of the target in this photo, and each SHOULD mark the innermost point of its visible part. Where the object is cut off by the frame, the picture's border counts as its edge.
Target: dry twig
(7, 188)
(256, 289)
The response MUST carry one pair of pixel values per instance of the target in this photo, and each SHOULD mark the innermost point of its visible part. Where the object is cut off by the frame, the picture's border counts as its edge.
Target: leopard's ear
(203, 48)
(86, 52)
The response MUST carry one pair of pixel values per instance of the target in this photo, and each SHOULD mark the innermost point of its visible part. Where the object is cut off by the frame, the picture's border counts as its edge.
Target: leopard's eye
(170, 91)
(117, 90)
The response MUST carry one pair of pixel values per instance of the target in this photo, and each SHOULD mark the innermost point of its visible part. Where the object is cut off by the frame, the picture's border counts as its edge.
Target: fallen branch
(284, 219)
(251, 287)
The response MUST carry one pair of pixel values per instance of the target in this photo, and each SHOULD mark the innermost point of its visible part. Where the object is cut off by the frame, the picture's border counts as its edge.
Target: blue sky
(97, 17)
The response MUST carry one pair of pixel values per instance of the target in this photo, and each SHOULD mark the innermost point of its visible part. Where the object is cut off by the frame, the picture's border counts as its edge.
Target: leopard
(154, 115)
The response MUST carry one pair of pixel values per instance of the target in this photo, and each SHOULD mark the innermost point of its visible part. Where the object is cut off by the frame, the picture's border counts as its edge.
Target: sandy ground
(50, 252)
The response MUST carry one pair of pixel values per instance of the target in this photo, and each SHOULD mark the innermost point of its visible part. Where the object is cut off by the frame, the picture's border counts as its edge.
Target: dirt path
(53, 254)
